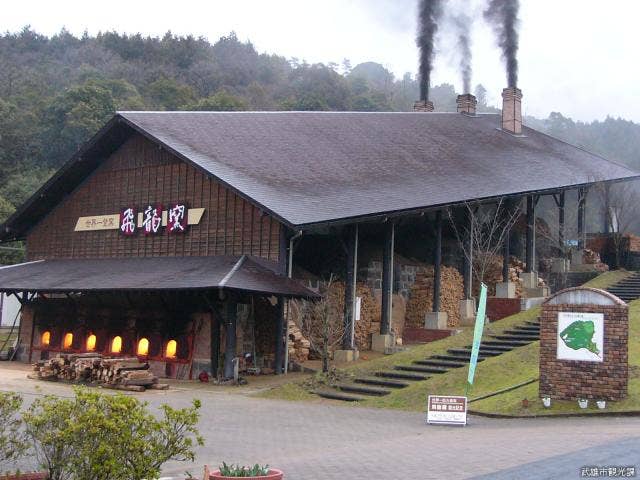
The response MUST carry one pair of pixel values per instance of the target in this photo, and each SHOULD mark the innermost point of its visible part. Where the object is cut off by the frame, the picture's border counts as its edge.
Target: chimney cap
(423, 106)
(466, 104)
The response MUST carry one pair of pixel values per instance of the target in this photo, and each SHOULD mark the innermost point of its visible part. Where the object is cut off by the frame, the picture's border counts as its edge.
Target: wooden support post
(468, 258)
(506, 246)
(279, 337)
(351, 242)
(606, 220)
(230, 346)
(437, 263)
(387, 278)
(582, 217)
(215, 343)
(531, 234)
(506, 254)
(560, 203)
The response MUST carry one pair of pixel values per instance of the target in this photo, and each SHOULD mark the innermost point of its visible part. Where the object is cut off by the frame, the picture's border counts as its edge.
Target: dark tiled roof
(310, 167)
(243, 273)
(315, 167)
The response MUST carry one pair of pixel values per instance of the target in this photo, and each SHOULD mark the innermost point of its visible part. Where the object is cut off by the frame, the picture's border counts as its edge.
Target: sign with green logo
(580, 336)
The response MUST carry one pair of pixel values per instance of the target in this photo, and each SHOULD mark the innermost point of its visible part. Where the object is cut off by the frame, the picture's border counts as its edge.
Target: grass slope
(493, 374)
(510, 403)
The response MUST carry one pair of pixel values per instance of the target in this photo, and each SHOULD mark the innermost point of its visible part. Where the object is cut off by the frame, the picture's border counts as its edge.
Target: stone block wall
(571, 379)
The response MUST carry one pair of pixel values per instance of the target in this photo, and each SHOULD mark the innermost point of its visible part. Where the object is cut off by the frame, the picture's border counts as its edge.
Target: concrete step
(337, 395)
(467, 352)
(420, 369)
(517, 338)
(494, 348)
(527, 333)
(381, 382)
(459, 357)
(535, 323)
(525, 328)
(362, 389)
(415, 377)
(434, 362)
(505, 343)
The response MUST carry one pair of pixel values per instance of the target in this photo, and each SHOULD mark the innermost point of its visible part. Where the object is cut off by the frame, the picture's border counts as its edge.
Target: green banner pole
(477, 336)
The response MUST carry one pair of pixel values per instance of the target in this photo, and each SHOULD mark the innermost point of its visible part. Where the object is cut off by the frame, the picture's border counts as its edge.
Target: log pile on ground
(92, 368)
(421, 296)
(493, 275)
(298, 345)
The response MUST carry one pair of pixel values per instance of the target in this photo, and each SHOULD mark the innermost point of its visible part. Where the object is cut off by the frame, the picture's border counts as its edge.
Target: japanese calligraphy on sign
(128, 221)
(446, 409)
(177, 221)
(152, 219)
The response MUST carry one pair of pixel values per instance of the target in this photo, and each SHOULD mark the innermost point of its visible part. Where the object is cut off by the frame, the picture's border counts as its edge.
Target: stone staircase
(627, 289)
(383, 382)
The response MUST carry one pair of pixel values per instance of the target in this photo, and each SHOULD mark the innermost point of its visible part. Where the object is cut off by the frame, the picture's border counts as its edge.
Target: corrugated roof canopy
(315, 167)
(247, 274)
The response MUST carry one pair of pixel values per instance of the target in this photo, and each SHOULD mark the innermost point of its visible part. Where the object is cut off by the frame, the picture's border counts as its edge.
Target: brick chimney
(467, 104)
(423, 106)
(512, 110)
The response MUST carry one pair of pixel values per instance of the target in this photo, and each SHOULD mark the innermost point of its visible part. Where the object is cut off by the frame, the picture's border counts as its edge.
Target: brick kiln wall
(570, 379)
(421, 296)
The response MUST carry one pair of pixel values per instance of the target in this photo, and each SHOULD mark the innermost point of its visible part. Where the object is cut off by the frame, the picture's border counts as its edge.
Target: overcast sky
(579, 57)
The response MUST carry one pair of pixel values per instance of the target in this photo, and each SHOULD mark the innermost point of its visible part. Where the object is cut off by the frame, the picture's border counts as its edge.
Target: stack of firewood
(119, 373)
(421, 296)
(298, 345)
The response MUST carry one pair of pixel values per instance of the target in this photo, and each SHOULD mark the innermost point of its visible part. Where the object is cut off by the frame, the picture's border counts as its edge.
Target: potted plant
(546, 401)
(602, 404)
(257, 472)
(583, 403)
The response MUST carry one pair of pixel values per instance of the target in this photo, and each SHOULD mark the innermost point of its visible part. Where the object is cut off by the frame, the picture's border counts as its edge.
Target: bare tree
(322, 324)
(482, 233)
(618, 202)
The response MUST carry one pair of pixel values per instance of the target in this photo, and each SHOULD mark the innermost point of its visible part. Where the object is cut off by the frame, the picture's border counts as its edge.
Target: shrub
(12, 442)
(238, 471)
(109, 437)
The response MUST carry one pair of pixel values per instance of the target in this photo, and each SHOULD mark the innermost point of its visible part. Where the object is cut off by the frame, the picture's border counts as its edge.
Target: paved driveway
(328, 441)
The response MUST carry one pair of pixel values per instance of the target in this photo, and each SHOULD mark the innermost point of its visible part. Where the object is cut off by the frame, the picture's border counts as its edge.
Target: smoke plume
(503, 15)
(429, 13)
(461, 23)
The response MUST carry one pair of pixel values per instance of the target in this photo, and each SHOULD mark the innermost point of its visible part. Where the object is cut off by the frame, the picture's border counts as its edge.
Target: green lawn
(510, 403)
(492, 375)
(607, 279)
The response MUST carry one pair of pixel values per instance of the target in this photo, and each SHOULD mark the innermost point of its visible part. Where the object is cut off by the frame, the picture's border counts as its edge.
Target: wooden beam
(230, 330)
(531, 234)
(387, 278)
(279, 337)
(351, 243)
(437, 263)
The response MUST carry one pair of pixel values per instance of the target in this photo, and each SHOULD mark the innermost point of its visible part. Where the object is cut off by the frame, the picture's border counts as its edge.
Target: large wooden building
(168, 227)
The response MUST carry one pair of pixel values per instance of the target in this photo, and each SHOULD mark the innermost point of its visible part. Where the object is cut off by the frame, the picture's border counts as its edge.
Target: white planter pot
(583, 403)
(546, 401)
(601, 404)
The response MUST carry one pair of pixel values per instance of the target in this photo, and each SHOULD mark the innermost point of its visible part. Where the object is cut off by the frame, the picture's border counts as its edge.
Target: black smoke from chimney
(503, 15)
(462, 22)
(429, 13)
